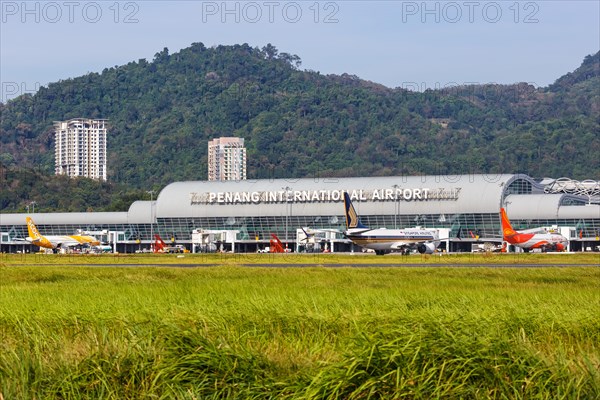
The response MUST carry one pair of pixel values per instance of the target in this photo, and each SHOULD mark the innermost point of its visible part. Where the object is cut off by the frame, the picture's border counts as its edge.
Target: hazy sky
(411, 44)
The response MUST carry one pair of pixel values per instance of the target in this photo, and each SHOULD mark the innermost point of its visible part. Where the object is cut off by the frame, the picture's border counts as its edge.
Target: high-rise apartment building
(226, 159)
(81, 148)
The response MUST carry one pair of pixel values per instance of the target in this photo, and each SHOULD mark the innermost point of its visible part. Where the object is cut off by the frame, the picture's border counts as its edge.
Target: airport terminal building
(240, 216)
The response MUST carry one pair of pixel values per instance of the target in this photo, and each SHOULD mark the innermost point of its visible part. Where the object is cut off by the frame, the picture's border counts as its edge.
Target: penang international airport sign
(324, 196)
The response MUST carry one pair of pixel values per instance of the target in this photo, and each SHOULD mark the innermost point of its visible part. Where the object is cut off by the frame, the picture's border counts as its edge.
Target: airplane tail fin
(276, 246)
(159, 244)
(507, 229)
(36, 236)
(33, 231)
(352, 220)
(306, 234)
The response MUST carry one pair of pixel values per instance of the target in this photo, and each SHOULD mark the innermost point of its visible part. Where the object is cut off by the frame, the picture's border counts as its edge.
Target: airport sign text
(324, 196)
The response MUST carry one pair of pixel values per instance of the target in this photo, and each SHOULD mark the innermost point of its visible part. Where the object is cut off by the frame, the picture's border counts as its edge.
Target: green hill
(301, 123)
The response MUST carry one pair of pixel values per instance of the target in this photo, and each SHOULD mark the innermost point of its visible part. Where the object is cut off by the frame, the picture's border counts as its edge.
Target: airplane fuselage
(390, 239)
(546, 241)
(53, 242)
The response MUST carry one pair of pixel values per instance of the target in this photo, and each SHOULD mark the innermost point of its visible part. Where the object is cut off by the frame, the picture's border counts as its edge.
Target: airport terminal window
(484, 225)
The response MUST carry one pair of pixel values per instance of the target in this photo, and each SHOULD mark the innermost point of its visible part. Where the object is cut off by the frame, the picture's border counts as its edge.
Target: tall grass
(299, 333)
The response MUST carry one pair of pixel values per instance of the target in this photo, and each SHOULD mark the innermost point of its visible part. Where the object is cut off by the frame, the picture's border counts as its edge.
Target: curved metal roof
(537, 206)
(548, 206)
(140, 212)
(579, 212)
(418, 195)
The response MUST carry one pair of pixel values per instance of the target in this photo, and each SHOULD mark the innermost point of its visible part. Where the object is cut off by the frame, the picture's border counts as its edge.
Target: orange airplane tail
(507, 229)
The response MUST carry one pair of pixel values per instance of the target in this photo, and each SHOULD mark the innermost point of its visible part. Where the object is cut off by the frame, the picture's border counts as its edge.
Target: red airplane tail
(159, 244)
(275, 245)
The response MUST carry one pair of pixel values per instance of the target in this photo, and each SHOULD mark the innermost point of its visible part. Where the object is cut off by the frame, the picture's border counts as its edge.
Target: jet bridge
(212, 241)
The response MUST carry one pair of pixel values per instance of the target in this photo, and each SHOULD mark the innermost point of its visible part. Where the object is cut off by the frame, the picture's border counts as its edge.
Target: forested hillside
(301, 123)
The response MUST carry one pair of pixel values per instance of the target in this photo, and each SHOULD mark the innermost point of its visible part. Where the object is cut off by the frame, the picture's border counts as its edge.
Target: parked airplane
(275, 246)
(57, 242)
(314, 240)
(161, 247)
(536, 238)
(489, 247)
(102, 248)
(384, 240)
(315, 236)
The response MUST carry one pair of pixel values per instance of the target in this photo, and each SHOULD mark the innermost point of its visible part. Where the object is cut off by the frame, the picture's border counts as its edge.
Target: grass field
(341, 259)
(70, 331)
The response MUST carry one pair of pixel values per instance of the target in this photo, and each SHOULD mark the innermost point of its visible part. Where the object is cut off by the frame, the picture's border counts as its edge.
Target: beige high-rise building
(80, 148)
(226, 159)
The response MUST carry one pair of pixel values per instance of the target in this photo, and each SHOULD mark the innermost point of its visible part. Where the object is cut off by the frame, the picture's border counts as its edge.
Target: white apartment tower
(81, 148)
(226, 159)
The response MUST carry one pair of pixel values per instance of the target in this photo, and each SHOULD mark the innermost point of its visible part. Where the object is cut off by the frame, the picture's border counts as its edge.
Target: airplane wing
(426, 246)
(409, 245)
(404, 245)
(327, 230)
(70, 244)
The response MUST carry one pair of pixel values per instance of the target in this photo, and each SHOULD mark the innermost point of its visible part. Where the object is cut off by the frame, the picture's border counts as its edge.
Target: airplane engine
(559, 247)
(426, 248)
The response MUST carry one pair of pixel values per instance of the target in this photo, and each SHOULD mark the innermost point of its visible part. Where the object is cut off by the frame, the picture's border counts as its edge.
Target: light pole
(395, 206)
(151, 192)
(32, 204)
(287, 189)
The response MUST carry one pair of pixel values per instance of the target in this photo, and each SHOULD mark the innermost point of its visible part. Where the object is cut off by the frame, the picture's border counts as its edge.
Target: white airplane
(102, 248)
(312, 235)
(57, 242)
(384, 240)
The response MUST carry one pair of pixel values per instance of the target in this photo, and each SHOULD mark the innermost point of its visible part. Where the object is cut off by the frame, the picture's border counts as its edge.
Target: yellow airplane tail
(35, 235)
(33, 231)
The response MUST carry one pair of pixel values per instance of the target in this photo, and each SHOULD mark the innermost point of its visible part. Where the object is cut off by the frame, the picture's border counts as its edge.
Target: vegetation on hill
(301, 123)
(25, 189)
